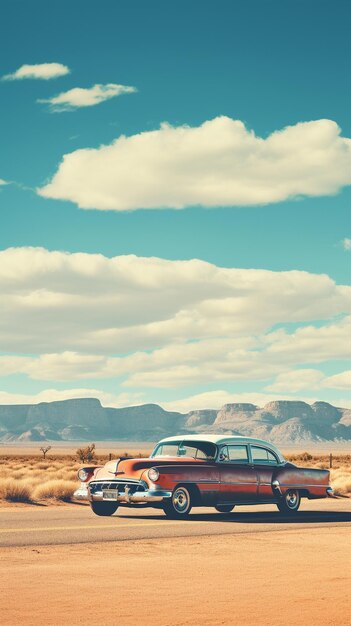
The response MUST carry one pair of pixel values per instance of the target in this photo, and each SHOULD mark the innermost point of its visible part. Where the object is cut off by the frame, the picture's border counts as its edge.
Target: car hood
(134, 468)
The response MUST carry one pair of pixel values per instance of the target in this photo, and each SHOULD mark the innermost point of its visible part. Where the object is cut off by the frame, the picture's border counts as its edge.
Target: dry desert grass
(30, 479)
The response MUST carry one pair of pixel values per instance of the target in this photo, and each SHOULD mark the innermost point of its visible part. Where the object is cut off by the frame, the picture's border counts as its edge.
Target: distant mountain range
(86, 420)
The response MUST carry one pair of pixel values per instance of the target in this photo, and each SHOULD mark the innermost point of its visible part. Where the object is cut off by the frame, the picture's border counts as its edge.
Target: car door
(265, 462)
(238, 478)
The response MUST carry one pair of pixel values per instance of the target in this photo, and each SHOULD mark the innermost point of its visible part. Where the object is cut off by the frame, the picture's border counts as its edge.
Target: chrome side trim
(254, 483)
(206, 482)
(292, 485)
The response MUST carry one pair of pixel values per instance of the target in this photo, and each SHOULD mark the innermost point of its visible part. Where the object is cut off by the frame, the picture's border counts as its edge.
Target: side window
(223, 455)
(238, 454)
(262, 455)
(272, 458)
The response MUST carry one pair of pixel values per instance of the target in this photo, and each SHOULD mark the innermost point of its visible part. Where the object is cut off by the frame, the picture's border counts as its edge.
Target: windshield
(194, 449)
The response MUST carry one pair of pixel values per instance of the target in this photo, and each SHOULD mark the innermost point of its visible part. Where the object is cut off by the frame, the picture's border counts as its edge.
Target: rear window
(262, 455)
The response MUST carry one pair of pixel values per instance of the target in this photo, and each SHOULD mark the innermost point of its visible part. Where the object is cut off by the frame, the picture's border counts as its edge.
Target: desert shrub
(302, 456)
(341, 481)
(15, 490)
(306, 456)
(87, 453)
(55, 489)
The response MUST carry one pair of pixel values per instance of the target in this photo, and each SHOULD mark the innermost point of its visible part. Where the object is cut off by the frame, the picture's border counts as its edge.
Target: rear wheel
(179, 505)
(224, 508)
(104, 508)
(290, 502)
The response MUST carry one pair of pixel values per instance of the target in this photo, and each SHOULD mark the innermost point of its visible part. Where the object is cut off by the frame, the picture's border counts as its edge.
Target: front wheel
(179, 504)
(290, 502)
(224, 508)
(104, 508)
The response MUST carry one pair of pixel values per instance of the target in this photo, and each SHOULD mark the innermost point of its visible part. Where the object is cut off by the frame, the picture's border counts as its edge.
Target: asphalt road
(75, 523)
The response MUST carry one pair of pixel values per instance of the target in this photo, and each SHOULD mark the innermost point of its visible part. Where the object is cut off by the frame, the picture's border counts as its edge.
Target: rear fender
(311, 483)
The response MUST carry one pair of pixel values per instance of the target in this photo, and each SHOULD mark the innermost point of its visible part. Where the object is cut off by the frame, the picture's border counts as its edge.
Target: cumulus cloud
(309, 379)
(220, 163)
(43, 71)
(313, 344)
(79, 97)
(153, 323)
(55, 301)
(346, 244)
(297, 380)
(339, 381)
(3, 182)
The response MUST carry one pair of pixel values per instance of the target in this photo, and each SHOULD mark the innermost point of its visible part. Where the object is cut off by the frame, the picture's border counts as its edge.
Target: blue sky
(269, 64)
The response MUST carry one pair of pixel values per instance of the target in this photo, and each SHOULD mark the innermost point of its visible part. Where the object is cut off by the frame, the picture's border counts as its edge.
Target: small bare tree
(44, 450)
(86, 454)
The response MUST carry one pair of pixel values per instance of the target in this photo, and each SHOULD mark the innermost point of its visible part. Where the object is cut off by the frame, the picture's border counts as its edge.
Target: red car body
(203, 470)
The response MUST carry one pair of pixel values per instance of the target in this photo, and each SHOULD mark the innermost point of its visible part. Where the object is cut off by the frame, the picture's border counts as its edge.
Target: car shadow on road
(266, 517)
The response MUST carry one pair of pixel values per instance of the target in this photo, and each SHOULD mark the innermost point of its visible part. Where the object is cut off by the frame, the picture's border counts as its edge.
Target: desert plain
(60, 564)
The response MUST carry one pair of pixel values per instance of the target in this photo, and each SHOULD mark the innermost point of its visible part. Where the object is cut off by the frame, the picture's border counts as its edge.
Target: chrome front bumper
(127, 498)
(81, 493)
(139, 497)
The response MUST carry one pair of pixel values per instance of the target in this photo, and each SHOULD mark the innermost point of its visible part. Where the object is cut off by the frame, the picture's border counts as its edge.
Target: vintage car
(202, 470)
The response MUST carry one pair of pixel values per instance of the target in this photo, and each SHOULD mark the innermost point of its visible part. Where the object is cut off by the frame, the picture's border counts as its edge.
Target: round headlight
(153, 474)
(83, 475)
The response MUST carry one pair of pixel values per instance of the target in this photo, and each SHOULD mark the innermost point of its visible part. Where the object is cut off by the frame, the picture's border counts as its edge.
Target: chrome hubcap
(292, 499)
(181, 500)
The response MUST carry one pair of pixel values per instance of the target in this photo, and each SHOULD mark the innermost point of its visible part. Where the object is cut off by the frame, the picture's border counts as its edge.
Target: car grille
(120, 485)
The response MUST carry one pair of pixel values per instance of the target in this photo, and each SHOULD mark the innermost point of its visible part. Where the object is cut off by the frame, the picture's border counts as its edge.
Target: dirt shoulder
(286, 578)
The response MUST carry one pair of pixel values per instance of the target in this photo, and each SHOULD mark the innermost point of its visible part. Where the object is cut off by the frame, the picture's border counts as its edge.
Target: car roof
(224, 440)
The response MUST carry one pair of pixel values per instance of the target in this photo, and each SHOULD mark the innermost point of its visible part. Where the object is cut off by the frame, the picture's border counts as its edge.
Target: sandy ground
(294, 577)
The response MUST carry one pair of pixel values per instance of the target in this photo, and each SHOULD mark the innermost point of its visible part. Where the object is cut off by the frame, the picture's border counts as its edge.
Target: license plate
(110, 494)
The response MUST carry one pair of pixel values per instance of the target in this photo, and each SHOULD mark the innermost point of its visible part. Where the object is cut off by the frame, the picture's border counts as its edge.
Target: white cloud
(79, 97)
(309, 379)
(54, 302)
(339, 381)
(312, 344)
(157, 323)
(346, 243)
(43, 71)
(296, 380)
(3, 182)
(219, 163)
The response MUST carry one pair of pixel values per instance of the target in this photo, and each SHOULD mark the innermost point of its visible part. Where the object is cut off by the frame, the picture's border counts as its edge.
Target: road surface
(75, 523)
(62, 565)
